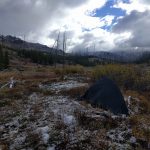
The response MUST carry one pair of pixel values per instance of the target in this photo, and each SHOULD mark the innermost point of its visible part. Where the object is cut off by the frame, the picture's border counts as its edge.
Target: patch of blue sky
(108, 9)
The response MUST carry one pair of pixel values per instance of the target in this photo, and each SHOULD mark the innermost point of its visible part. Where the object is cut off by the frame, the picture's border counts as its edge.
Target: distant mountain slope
(123, 56)
(15, 42)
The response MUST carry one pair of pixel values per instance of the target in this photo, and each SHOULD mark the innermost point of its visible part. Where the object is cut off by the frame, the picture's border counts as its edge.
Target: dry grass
(99, 141)
(29, 80)
(144, 100)
(77, 69)
(33, 73)
(60, 125)
(15, 93)
(3, 146)
(38, 75)
(74, 92)
(33, 139)
(126, 76)
(140, 127)
(90, 123)
(16, 98)
(5, 76)
(140, 123)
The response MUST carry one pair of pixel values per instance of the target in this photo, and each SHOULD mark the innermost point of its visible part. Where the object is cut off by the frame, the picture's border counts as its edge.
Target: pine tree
(6, 60)
(1, 58)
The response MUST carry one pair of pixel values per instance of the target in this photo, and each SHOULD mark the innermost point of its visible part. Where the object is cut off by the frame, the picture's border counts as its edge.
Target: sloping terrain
(17, 43)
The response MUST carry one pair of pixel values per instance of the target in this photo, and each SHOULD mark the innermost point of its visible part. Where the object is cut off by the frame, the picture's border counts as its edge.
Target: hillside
(17, 43)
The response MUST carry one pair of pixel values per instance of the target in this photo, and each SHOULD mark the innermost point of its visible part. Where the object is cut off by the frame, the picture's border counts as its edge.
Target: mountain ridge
(18, 43)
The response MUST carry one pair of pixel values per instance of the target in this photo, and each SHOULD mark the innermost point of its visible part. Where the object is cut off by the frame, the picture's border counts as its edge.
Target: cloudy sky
(103, 24)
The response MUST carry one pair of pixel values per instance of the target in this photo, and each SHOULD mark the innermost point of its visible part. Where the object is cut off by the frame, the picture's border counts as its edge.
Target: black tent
(106, 94)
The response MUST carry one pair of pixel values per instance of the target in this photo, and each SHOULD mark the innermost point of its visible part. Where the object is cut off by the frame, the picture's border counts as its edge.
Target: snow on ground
(49, 109)
(69, 119)
(51, 148)
(44, 133)
(66, 85)
(49, 123)
(41, 125)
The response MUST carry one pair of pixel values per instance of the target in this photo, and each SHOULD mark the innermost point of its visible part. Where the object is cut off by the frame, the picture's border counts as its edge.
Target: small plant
(129, 77)
(3, 146)
(33, 139)
(87, 122)
(77, 69)
(60, 125)
(140, 128)
(4, 59)
(75, 92)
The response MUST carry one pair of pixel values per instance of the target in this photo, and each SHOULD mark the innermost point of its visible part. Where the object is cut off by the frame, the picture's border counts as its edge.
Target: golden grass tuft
(77, 69)
(140, 126)
(126, 76)
(74, 92)
(90, 123)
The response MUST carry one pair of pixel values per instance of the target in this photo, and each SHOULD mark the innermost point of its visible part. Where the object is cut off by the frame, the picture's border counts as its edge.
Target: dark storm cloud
(145, 1)
(138, 23)
(88, 37)
(24, 16)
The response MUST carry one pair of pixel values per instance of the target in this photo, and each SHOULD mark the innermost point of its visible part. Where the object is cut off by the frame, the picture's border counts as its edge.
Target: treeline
(145, 58)
(45, 58)
(4, 59)
(81, 60)
(37, 56)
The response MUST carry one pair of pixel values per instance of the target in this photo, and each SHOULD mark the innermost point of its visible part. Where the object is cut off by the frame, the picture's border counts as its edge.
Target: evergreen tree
(37, 56)
(1, 58)
(6, 60)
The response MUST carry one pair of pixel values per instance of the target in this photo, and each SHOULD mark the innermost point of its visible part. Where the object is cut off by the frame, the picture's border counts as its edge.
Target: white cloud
(75, 23)
(37, 19)
(40, 21)
(137, 24)
(79, 24)
(138, 5)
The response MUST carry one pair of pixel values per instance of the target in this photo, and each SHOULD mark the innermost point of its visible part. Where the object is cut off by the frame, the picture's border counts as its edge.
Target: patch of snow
(44, 133)
(18, 141)
(118, 146)
(51, 148)
(55, 108)
(12, 83)
(62, 85)
(33, 97)
(55, 111)
(129, 101)
(132, 140)
(45, 138)
(14, 124)
(119, 134)
(69, 119)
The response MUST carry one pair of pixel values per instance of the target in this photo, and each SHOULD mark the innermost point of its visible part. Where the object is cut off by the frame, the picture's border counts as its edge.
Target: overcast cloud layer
(40, 21)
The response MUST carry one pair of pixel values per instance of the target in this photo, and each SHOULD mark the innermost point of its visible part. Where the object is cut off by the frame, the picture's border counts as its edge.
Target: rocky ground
(52, 118)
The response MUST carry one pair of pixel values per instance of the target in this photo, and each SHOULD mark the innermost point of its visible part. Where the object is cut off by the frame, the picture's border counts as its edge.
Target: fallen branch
(11, 83)
(4, 85)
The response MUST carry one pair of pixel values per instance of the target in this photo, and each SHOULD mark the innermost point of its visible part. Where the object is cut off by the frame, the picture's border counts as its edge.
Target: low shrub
(126, 76)
(75, 92)
(140, 126)
(77, 69)
(90, 123)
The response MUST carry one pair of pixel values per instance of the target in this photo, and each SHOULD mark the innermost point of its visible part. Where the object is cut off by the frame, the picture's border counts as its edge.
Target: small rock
(133, 140)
